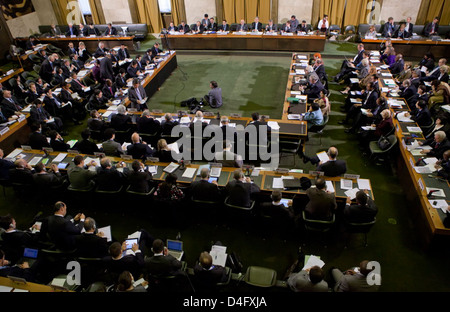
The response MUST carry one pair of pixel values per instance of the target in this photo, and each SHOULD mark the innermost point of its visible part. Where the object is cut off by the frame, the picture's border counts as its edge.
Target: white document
(414, 145)
(294, 116)
(439, 204)
(274, 125)
(414, 129)
(431, 160)
(171, 167)
(313, 261)
(35, 161)
(368, 128)
(153, 169)
(440, 192)
(296, 93)
(58, 282)
(185, 120)
(355, 101)
(107, 231)
(346, 184)
(136, 234)
(174, 147)
(364, 184)
(330, 187)
(218, 257)
(390, 82)
(416, 152)
(14, 153)
(323, 157)
(277, 183)
(354, 80)
(352, 193)
(139, 282)
(5, 289)
(423, 169)
(60, 157)
(189, 173)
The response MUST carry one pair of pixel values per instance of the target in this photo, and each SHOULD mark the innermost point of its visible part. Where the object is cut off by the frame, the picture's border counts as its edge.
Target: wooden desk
(91, 43)
(412, 48)
(429, 219)
(16, 136)
(5, 78)
(233, 41)
(31, 287)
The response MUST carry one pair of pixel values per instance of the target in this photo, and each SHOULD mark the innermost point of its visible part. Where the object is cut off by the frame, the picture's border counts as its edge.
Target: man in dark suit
(322, 204)
(48, 69)
(198, 123)
(123, 52)
(132, 70)
(10, 106)
(82, 30)
(31, 43)
(224, 27)
(147, 124)
(440, 145)
(271, 27)
(73, 31)
(106, 68)
(303, 27)
(389, 28)
(167, 124)
(198, 28)
(109, 90)
(139, 178)
(421, 114)
(55, 31)
(408, 91)
(139, 149)
(108, 178)
(287, 28)
(162, 263)
(319, 69)
(203, 189)
(147, 59)
(44, 180)
(205, 21)
(206, 274)
(22, 172)
(348, 66)
(363, 211)
(241, 189)
(57, 142)
(369, 101)
(38, 114)
(256, 25)
(313, 89)
(156, 50)
(397, 67)
(86, 146)
(409, 27)
(91, 244)
(119, 260)
(121, 81)
(61, 228)
(137, 95)
(71, 49)
(92, 30)
(95, 123)
(101, 50)
(172, 27)
(98, 101)
(37, 139)
(110, 31)
(333, 167)
(184, 28)
(212, 25)
(5, 165)
(432, 29)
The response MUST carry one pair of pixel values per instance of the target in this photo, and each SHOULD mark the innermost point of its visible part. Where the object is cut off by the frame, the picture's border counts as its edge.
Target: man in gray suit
(242, 26)
(227, 158)
(356, 280)
(309, 280)
(271, 27)
(55, 31)
(80, 177)
(322, 204)
(137, 95)
(111, 147)
(214, 97)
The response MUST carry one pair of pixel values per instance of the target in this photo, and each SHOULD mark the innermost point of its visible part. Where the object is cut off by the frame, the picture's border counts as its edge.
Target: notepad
(153, 169)
(364, 184)
(414, 129)
(346, 184)
(189, 173)
(277, 183)
(35, 161)
(440, 192)
(439, 204)
(107, 231)
(312, 261)
(60, 157)
(274, 125)
(171, 167)
(351, 193)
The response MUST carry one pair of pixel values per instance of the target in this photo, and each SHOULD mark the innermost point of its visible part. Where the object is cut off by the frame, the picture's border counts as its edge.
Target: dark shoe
(342, 122)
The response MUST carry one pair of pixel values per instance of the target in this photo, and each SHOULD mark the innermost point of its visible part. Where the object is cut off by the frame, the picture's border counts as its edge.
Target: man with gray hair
(91, 244)
(167, 124)
(227, 158)
(313, 89)
(121, 121)
(439, 145)
(204, 189)
(108, 177)
(241, 189)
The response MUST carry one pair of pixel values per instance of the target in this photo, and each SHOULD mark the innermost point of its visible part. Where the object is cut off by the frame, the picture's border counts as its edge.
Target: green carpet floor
(257, 83)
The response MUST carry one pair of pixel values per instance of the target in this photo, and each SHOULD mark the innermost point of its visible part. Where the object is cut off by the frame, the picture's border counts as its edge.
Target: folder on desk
(291, 183)
(171, 168)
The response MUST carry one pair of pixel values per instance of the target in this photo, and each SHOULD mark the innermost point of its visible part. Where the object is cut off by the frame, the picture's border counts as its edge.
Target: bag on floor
(383, 143)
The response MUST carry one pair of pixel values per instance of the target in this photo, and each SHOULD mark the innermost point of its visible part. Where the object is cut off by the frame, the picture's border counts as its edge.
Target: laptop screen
(30, 253)
(174, 245)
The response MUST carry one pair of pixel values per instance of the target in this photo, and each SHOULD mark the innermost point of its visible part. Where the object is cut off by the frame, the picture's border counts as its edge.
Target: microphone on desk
(430, 193)
(420, 160)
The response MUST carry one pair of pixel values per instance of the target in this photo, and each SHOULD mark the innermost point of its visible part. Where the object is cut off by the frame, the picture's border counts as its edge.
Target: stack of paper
(219, 255)
(60, 157)
(312, 261)
(274, 125)
(346, 184)
(330, 186)
(189, 173)
(414, 129)
(277, 183)
(439, 204)
(35, 161)
(351, 193)
(364, 184)
(439, 192)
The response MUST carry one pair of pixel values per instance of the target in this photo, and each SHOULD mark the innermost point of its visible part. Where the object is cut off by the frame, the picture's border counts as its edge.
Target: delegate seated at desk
(139, 149)
(80, 177)
(241, 189)
(203, 189)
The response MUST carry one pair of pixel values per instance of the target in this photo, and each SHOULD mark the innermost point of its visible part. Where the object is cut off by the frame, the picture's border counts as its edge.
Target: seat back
(360, 227)
(318, 225)
(260, 276)
(350, 29)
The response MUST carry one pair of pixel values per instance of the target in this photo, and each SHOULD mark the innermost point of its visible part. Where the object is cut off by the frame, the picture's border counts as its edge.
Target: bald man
(333, 167)
(22, 173)
(139, 149)
(242, 26)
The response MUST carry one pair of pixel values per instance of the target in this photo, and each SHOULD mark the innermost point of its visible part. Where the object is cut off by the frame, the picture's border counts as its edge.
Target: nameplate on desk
(26, 147)
(47, 149)
(4, 130)
(157, 111)
(404, 144)
(422, 187)
(99, 155)
(22, 118)
(282, 170)
(132, 110)
(411, 161)
(316, 173)
(235, 115)
(208, 114)
(126, 157)
(214, 164)
(73, 152)
(153, 159)
(351, 176)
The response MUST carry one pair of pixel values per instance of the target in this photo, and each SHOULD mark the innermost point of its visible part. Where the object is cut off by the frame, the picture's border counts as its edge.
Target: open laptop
(175, 248)
(30, 255)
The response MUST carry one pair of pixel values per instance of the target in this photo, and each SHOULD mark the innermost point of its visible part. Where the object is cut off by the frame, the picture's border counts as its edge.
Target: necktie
(138, 94)
(110, 90)
(432, 28)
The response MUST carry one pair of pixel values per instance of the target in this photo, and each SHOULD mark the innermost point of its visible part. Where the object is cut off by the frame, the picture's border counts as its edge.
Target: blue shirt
(314, 117)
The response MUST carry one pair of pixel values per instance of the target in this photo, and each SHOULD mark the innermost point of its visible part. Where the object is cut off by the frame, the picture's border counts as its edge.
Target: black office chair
(37, 68)
(358, 228)
(91, 270)
(427, 129)
(290, 148)
(376, 153)
(318, 226)
(319, 129)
